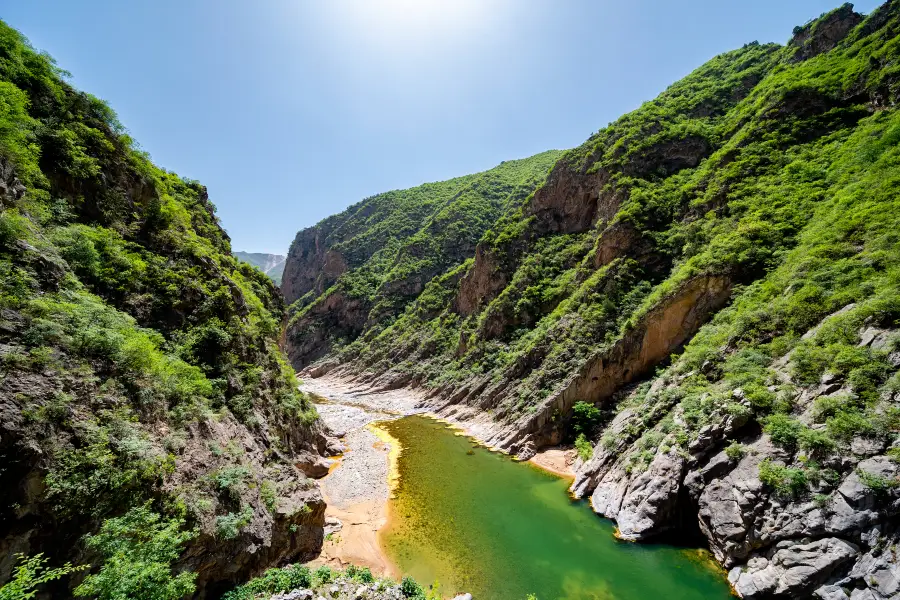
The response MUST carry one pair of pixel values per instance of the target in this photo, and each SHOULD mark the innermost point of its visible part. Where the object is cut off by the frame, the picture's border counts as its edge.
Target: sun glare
(397, 23)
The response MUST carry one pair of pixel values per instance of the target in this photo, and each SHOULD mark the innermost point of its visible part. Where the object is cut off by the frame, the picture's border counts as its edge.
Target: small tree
(139, 548)
(585, 418)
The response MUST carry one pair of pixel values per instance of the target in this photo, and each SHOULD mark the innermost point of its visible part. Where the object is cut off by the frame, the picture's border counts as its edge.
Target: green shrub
(323, 575)
(584, 447)
(360, 574)
(585, 418)
(735, 451)
(783, 429)
(273, 581)
(878, 484)
(138, 550)
(847, 424)
(13, 226)
(786, 481)
(229, 526)
(231, 480)
(815, 441)
(29, 574)
(269, 494)
(411, 589)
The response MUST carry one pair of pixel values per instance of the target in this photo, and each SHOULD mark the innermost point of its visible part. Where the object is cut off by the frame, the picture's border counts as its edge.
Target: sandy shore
(559, 461)
(358, 488)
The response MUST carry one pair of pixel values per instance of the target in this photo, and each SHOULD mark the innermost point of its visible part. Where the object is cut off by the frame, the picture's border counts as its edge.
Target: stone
(795, 569)
(831, 592)
(333, 525)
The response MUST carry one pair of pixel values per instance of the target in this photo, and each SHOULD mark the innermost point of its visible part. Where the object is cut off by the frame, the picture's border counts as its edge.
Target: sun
(398, 23)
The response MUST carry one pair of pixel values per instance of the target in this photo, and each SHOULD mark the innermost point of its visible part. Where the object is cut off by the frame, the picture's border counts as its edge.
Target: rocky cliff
(143, 394)
(716, 273)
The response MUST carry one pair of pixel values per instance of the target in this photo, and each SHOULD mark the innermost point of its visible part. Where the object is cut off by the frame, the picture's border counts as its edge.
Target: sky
(291, 110)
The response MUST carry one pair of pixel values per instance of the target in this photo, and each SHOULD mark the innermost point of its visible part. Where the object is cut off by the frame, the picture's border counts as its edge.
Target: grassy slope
(395, 242)
(125, 324)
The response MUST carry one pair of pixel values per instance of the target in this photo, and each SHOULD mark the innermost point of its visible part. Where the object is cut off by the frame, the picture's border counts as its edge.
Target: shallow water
(479, 522)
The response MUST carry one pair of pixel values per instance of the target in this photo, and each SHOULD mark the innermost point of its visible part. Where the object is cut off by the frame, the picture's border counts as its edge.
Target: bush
(735, 451)
(30, 573)
(786, 481)
(584, 447)
(360, 574)
(229, 526)
(585, 418)
(411, 589)
(783, 430)
(878, 484)
(138, 550)
(815, 441)
(273, 581)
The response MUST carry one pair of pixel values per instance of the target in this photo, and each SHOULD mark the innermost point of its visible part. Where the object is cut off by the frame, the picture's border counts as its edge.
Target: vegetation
(281, 580)
(31, 572)
(138, 549)
(127, 329)
(395, 243)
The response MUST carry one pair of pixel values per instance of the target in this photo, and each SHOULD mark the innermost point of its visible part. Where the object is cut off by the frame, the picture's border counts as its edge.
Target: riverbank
(357, 489)
(557, 460)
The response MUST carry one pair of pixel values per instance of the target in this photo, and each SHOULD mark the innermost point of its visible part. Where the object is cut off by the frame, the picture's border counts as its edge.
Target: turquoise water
(479, 522)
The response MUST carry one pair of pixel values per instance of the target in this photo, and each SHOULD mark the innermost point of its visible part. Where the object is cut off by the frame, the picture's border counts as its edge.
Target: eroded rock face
(310, 264)
(824, 34)
(572, 200)
(481, 283)
(794, 570)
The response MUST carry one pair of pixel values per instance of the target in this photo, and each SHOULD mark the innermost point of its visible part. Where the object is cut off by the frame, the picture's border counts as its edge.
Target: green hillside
(141, 385)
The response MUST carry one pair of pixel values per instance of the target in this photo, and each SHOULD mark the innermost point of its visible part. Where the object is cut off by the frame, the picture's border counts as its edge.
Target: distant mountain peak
(270, 264)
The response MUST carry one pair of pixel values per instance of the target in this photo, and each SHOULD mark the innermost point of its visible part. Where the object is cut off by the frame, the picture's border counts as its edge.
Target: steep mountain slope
(356, 271)
(270, 264)
(760, 192)
(142, 387)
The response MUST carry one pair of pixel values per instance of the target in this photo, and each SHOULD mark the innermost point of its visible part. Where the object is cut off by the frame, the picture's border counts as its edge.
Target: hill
(270, 264)
(145, 402)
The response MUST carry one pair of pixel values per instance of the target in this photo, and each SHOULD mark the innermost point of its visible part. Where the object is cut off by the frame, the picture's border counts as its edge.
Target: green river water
(479, 522)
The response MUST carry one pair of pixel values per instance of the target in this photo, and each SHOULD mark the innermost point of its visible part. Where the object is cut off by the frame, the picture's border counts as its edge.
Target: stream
(477, 521)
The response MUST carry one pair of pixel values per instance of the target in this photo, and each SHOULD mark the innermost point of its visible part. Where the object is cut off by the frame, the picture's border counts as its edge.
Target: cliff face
(139, 359)
(716, 272)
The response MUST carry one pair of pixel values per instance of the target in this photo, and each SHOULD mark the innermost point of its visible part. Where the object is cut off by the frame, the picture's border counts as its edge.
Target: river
(477, 521)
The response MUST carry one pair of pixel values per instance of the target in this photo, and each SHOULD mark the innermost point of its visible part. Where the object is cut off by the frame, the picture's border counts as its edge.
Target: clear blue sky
(291, 110)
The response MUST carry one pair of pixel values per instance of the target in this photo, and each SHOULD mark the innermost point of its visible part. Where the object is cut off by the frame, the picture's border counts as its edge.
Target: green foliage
(273, 581)
(584, 447)
(138, 550)
(229, 526)
(735, 451)
(786, 481)
(585, 418)
(29, 574)
(127, 314)
(359, 574)
(411, 589)
(784, 187)
(878, 484)
(783, 430)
